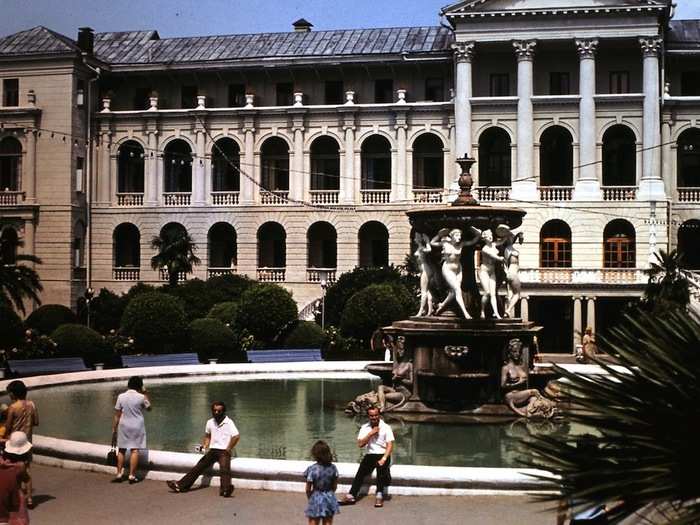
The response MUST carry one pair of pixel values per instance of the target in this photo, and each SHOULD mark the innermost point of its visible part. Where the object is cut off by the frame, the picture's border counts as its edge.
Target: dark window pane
(690, 83)
(10, 89)
(384, 91)
(619, 82)
(285, 94)
(559, 83)
(141, 96)
(435, 89)
(236, 95)
(499, 85)
(188, 97)
(333, 92)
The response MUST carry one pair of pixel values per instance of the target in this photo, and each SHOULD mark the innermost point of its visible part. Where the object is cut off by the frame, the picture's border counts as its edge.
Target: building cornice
(627, 10)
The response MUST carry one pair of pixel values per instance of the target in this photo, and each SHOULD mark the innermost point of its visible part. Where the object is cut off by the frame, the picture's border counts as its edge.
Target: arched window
(10, 164)
(619, 157)
(325, 164)
(177, 160)
(619, 245)
(555, 245)
(130, 161)
(321, 242)
(556, 157)
(9, 241)
(689, 159)
(272, 246)
(374, 244)
(275, 164)
(222, 246)
(225, 165)
(376, 163)
(428, 162)
(688, 243)
(126, 246)
(494, 158)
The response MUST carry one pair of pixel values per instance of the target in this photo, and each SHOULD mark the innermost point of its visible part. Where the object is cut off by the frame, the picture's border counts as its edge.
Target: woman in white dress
(129, 427)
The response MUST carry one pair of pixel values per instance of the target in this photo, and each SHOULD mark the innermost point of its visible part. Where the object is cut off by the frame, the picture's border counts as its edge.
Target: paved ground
(72, 497)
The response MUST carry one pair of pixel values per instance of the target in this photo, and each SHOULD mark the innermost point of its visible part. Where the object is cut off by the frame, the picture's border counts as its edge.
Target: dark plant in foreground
(641, 457)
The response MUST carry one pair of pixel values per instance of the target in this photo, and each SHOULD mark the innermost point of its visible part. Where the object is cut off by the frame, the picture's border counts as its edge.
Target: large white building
(292, 157)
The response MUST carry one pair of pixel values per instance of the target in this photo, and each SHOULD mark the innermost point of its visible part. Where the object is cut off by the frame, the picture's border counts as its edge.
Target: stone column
(198, 182)
(590, 313)
(29, 182)
(525, 185)
(464, 53)
(400, 189)
(651, 187)
(667, 155)
(525, 309)
(248, 189)
(577, 321)
(348, 180)
(297, 175)
(104, 181)
(150, 186)
(587, 186)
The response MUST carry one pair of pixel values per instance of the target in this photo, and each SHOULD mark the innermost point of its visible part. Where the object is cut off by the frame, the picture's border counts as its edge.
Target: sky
(173, 18)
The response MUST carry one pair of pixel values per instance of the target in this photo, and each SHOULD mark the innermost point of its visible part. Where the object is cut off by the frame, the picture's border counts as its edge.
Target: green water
(277, 419)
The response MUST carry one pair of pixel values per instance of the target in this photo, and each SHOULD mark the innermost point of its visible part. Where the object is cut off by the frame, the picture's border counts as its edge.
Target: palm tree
(668, 286)
(17, 281)
(643, 418)
(175, 253)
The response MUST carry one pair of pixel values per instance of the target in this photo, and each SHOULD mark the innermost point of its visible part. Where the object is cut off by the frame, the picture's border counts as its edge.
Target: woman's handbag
(112, 457)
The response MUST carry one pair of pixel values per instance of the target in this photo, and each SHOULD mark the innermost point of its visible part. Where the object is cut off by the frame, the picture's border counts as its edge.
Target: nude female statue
(526, 402)
(511, 261)
(427, 272)
(487, 274)
(451, 243)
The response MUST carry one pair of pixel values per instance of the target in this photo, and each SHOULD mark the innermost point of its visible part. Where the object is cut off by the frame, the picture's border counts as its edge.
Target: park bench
(284, 355)
(38, 367)
(135, 361)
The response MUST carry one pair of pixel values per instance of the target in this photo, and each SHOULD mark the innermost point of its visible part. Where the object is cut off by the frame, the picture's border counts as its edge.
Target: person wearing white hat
(13, 473)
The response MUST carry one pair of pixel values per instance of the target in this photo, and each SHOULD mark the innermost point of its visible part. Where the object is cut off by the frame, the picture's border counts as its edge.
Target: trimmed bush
(265, 310)
(157, 323)
(77, 340)
(48, 317)
(229, 287)
(210, 338)
(196, 296)
(138, 289)
(224, 312)
(11, 328)
(306, 334)
(106, 311)
(373, 307)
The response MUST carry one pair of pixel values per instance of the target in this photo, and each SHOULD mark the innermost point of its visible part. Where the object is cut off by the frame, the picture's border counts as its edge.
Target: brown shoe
(379, 501)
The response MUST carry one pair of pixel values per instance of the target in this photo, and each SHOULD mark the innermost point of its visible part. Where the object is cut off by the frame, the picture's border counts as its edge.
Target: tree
(175, 252)
(17, 281)
(640, 456)
(668, 287)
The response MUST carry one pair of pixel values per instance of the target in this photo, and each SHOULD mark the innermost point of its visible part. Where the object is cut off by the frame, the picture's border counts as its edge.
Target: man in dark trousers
(220, 437)
(377, 438)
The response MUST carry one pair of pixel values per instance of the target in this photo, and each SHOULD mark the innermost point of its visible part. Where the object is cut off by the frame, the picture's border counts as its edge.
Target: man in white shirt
(377, 438)
(220, 437)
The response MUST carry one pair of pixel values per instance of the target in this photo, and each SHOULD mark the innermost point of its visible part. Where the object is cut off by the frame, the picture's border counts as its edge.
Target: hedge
(306, 334)
(157, 323)
(210, 338)
(373, 307)
(77, 340)
(264, 311)
(48, 317)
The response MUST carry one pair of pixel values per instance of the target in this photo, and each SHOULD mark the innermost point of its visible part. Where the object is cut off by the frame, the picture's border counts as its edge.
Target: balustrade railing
(126, 273)
(181, 277)
(324, 196)
(583, 276)
(11, 198)
(274, 197)
(316, 275)
(129, 199)
(217, 272)
(492, 193)
(375, 196)
(619, 193)
(556, 193)
(179, 198)
(224, 198)
(271, 275)
(430, 196)
(688, 194)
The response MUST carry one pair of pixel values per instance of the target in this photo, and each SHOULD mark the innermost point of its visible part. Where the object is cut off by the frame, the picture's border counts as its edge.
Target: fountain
(452, 360)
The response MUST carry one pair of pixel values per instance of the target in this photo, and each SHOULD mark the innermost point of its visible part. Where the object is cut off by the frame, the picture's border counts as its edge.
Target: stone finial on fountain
(465, 182)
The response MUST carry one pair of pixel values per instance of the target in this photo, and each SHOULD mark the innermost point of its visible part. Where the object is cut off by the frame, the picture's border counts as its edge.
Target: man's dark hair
(371, 407)
(18, 389)
(135, 383)
(218, 404)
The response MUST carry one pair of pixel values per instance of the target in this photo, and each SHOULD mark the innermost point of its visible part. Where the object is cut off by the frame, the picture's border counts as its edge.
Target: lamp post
(89, 294)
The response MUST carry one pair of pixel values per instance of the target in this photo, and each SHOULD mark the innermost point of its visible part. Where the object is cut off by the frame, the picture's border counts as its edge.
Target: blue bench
(135, 361)
(284, 355)
(38, 367)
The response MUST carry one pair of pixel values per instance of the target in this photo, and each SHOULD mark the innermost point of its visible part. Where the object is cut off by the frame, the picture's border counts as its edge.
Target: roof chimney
(86, 39)
(302, 26)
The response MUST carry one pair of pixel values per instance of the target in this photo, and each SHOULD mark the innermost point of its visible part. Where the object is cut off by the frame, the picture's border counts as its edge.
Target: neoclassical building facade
(292, 157)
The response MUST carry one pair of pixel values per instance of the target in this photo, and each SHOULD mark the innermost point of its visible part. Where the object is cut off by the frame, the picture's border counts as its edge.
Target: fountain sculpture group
(457, 356)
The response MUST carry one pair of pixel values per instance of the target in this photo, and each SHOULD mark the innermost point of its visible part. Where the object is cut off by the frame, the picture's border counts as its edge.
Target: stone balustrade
(492, 193)
(317, 275)
(556, 193)
(11, 198)
(224, 198)
(271, 275)
(129, 200)
(274, 197)
(126, 273)
(177, 198)
(375, 196)
(428, 196)
(218, 272)
(324, 196)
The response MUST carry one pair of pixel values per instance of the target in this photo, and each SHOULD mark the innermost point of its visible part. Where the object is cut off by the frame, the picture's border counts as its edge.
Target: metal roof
(36, 41)
(683, 34)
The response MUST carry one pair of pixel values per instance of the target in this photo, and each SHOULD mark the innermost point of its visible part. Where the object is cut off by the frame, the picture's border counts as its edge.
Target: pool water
(277, 419)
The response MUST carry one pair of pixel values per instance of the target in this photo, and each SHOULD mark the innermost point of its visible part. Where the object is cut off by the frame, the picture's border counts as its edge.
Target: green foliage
(77, 340)
(175, 252)
(646, 417)
(225, 312)
(196, 296)
(106, 310)
(667, 288)
(306, 334)
(265, 310)
(229, 287)
(33, 346)
(18, 282)
(349, 283)
(210, 338)
(338, 348)
(11, 328)
(138, 289)
(157, 323)
(373, 307)
(47, 318)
